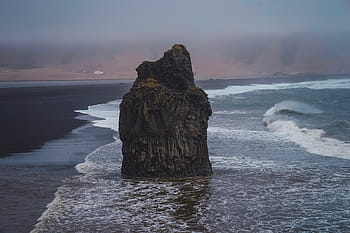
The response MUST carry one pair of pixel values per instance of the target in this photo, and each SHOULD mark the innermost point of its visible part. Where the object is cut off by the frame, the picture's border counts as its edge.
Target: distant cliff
(164, 119)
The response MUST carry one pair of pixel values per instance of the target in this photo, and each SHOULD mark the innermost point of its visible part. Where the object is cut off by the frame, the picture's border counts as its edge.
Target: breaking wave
(313, 140)
(294, 107)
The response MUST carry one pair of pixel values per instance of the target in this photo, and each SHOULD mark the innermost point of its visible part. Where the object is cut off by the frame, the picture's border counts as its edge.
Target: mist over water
(232, 38)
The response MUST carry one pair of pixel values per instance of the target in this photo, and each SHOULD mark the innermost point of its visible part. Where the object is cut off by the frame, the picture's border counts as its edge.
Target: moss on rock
(164, 119)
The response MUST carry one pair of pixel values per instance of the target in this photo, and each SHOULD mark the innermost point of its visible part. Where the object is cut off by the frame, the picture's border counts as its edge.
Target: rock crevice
(164, 119)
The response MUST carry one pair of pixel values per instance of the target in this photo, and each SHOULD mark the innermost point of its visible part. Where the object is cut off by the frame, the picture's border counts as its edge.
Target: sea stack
(164, 119)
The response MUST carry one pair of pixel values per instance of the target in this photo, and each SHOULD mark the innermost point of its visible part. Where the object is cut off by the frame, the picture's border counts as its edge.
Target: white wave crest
(292, 106)
(312, 140)
(324, 84)
(107, 112)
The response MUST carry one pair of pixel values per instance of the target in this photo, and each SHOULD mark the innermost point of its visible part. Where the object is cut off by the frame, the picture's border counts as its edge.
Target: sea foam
(324, 84)
(99, 200)
(313, 140)
(107, 114)
(108, 117)
(229, 112)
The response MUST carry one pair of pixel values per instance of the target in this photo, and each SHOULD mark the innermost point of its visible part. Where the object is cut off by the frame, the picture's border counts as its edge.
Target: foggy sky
(103, 20)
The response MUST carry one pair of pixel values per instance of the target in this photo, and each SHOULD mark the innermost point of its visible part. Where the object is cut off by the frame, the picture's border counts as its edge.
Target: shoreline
(42, 139)
(30, 180)
(35, 115)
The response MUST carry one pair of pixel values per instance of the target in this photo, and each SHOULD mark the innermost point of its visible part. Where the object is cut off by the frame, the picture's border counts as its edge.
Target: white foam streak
(231, 112)
(108, 114)
(57, 201)
(104, 159)
(324, 84)
(311, 139)
(251, 135)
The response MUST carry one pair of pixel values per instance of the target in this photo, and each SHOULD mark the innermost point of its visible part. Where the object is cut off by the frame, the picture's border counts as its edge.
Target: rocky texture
(164, 119)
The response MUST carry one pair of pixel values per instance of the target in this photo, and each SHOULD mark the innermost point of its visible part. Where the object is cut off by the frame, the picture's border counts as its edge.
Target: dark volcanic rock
(164, 119)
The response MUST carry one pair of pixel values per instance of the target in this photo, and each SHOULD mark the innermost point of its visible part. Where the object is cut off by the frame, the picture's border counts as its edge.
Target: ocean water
(281, 162)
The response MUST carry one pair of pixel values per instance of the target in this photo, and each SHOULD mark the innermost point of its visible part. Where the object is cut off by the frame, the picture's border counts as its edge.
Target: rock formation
(164, 119)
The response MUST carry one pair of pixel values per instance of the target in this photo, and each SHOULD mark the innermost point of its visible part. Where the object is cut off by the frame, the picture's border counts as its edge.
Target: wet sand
(42, 138)
(31, 116)
(28, 181)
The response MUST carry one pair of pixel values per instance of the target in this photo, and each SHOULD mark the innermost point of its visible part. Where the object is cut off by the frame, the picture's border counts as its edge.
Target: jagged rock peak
(174, 69)
(164, 119)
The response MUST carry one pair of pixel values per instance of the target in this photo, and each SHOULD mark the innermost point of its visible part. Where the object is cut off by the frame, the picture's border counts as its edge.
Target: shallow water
(289, 174)
(28, 181)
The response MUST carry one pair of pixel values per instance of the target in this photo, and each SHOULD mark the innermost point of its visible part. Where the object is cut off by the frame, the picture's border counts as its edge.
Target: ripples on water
(244, 195)
(262, 182)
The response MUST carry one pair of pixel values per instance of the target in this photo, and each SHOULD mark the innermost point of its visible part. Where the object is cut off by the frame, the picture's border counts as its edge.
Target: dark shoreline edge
(29, 181)
(30, 116)
(43, 140)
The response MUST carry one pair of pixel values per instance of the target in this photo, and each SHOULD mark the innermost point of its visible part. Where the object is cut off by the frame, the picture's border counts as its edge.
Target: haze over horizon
(238, 38)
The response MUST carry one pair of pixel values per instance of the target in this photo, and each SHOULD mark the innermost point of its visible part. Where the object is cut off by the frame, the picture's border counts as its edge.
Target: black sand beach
(41, 140)
(33, 115)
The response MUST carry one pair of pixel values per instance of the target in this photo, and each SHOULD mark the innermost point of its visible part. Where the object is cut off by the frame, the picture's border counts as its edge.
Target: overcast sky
(100, 20)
